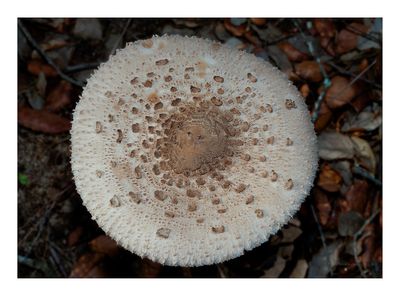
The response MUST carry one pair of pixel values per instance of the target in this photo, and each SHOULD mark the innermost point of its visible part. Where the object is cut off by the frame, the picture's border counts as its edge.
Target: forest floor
(335, 63)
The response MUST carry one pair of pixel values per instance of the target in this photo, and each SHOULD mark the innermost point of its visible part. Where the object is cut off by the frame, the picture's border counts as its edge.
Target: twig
(326, 83)
(128, 22)
(344, 71)
(44, 56)
(321, 233)
(354, 80)
(358, 170)
(80, 67)
(355, 238)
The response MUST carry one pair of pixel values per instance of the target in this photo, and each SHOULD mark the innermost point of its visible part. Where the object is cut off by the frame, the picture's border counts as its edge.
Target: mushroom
(189, 152)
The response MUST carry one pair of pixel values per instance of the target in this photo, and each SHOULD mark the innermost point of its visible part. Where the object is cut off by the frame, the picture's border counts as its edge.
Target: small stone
(163, 232)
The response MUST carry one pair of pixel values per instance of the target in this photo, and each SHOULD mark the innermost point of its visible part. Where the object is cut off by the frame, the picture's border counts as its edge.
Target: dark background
(336, 65)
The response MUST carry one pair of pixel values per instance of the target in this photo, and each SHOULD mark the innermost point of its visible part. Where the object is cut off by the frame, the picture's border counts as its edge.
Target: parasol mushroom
(189, 152)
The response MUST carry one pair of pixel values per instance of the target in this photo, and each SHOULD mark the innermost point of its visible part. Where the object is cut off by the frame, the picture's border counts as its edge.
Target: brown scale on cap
(177, 141)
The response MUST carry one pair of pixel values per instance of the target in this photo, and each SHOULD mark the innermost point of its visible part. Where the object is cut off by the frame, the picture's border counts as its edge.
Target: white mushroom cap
(189, 152)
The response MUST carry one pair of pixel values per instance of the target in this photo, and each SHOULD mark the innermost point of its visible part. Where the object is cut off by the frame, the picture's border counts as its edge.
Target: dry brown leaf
(37, 66)
(74, 236)
(275, 270)
(150, 269)
(237, 31)
(341, 92)
(369, 245)
(42, 121)
(258, 21)
(85, 264)
(97, 272)
(325, 27)
(323, 206)
(349, 223)
(300, 270)
(59, 97)
(105, 245)
(357, 196)
(324, 117)
(309, 70)
(329, 179)
(334, 145)
(364, 154)
(347, 39)
(293, 54)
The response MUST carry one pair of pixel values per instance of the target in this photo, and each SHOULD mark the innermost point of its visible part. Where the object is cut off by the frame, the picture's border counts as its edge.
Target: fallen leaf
(357, 196)
(364, 154)
(221, 32)
(286, 251)
(290, 234)
(85, 264)
(238, 21)
(36, 67)
(324, 117)
(150, 269)
(88, 28)
(305, 90)
(347, 39)
(310, 71)
(334, 145)
(59, 97)
(323, 206)
(325, 27)
(341, 92)
(369, 245)
(42, 121)
(293, 54)
(97, 272)
(368, 120)
(300, 270)
(279, 57)
(105, 245)
(344, 169)
(325, 260)
(237, 31)
(74, 236)
(259, 21)
(349, 223)
(275, 270)
(329, 179)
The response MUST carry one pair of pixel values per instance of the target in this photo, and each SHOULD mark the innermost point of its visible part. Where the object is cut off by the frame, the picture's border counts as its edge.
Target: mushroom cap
(189, 152)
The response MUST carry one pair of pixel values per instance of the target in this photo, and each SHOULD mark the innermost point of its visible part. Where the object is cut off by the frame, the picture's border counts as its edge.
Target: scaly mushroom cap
(189, 152)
